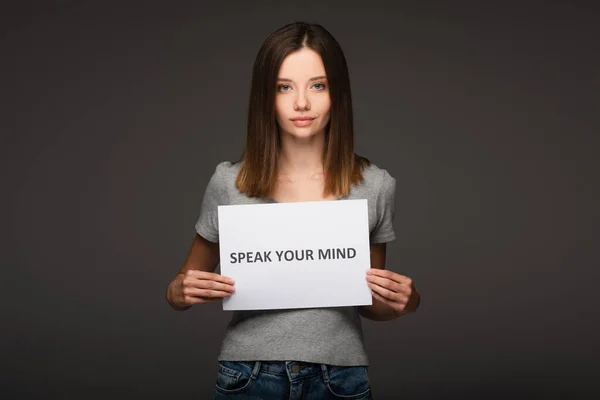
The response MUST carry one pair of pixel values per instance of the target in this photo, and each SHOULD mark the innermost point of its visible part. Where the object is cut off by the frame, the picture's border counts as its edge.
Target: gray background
(114, 117)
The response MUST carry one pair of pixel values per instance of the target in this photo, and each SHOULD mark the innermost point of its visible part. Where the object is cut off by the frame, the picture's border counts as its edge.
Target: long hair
(342, 167)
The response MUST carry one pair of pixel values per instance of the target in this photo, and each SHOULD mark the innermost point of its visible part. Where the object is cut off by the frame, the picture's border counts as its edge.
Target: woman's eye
(283, 88)
(319, 86)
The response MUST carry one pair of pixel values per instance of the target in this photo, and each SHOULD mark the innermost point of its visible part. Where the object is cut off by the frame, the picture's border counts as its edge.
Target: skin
(302, 90)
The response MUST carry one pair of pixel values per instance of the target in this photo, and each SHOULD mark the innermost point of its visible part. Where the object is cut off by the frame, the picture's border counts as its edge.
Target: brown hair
(342, 167)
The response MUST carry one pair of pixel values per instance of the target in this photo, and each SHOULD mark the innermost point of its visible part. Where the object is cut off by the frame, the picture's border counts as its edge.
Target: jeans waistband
(287, 368)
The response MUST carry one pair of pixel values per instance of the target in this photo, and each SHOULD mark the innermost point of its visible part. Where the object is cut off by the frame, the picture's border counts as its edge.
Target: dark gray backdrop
(114, 117)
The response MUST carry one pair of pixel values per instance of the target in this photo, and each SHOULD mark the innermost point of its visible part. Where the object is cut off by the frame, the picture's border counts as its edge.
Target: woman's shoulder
(223, 179)
(376, 178)
(226, 171)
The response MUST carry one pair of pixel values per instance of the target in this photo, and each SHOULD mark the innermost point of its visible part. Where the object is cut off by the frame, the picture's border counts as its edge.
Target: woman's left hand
(395, 290)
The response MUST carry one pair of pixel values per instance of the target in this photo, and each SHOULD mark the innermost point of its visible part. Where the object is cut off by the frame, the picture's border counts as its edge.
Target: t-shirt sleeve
(215, 195)
(386, 208)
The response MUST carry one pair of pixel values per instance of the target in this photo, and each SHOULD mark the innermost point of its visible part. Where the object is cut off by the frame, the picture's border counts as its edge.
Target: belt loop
(255, 370)
(325, 373)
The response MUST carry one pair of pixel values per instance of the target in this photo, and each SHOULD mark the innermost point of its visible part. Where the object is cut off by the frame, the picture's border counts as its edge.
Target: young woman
(299, 147)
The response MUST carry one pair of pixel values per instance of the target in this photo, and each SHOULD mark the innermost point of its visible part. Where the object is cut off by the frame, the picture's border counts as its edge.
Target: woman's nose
(301, 102)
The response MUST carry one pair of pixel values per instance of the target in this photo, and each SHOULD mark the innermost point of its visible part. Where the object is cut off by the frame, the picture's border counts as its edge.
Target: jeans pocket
(233, 377)
(349, 383)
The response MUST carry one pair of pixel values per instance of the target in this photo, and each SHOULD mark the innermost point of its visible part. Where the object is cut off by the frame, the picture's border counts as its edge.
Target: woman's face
(302, 99)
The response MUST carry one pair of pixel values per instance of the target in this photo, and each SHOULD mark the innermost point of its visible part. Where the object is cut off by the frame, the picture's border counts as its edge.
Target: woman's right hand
(198, 287)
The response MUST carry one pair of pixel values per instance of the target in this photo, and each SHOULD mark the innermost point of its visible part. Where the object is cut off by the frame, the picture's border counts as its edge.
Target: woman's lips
(302, 121)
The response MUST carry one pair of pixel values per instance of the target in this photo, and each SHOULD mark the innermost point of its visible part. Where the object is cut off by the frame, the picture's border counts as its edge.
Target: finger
(388, 284)
(192, 281)
(397, 307)
(208, 293)
(206, 284)
(211, 276)
(388, 294)
(204, 275)
(380, 298)
(200, 300)
(384, 273)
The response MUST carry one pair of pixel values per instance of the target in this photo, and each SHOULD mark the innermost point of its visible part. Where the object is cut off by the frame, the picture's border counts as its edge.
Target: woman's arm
(393, 294)
(199, 265)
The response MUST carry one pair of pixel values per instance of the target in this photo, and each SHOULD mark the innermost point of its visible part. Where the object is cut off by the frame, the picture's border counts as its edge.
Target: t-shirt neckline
(272, 200)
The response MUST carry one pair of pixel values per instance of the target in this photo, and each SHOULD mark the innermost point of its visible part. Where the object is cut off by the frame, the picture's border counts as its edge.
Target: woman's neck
(301, 156)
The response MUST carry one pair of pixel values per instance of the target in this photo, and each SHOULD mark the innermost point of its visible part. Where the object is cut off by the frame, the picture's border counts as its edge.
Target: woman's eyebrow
(311, 79)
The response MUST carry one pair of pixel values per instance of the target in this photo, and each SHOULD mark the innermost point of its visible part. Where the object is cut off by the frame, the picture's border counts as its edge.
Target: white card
(296, 255)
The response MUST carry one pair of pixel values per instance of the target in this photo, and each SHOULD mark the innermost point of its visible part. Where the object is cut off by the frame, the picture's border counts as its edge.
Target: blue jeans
(290, 380)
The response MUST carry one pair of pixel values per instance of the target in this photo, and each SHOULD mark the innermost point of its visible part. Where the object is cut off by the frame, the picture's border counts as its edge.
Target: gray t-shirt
(332, 335)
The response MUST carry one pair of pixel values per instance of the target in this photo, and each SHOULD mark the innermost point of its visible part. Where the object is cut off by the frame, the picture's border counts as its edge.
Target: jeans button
(295, 368)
